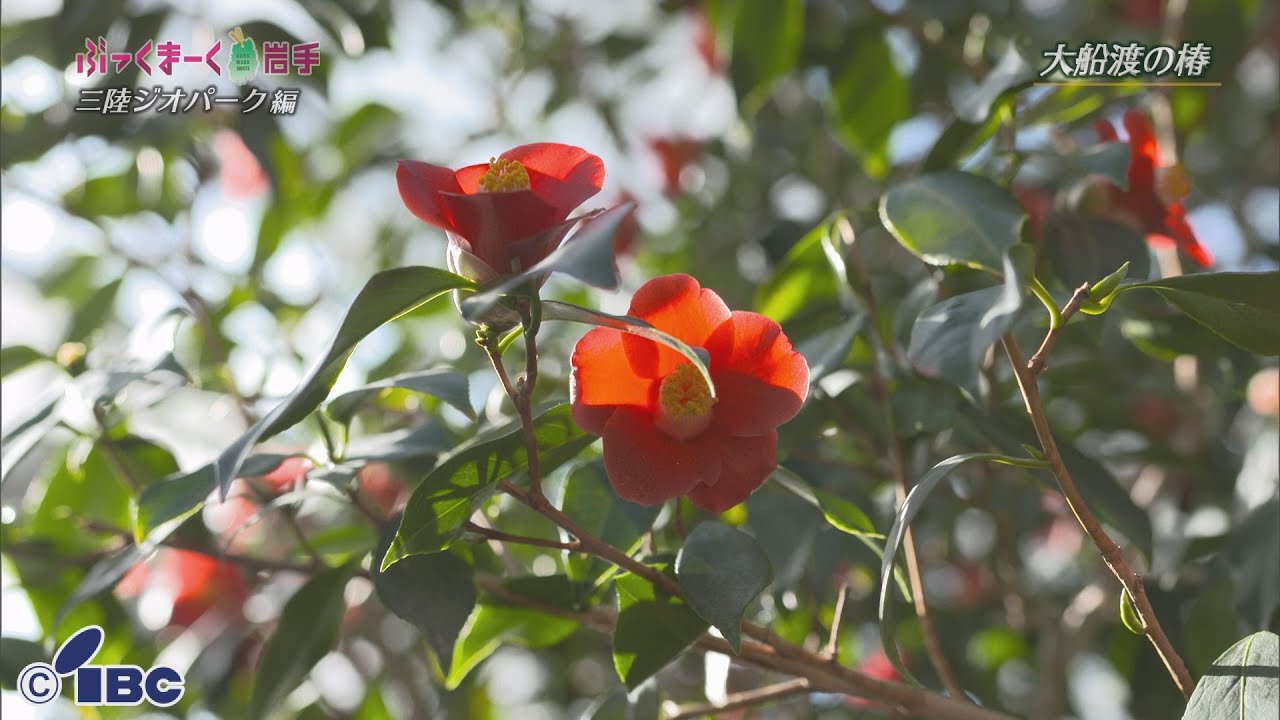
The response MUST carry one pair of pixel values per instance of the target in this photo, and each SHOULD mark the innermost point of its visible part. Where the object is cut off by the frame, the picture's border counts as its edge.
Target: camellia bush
(778, 417)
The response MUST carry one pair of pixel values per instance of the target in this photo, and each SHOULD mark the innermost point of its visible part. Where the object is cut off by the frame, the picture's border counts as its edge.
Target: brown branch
(1036, 364)
(745, 699)
(1111, 553)
(500, 536)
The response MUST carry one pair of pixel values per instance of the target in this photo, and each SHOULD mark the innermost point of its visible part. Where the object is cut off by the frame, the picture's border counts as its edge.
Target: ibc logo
(98, 684)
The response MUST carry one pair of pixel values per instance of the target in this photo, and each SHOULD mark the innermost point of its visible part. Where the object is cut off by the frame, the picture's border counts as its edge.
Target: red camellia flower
(1152, 203)
(503, 216)
(664, 434)
(193, 584)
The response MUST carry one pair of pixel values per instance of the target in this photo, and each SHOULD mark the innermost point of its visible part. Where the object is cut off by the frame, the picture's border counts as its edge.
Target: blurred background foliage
(168, 277)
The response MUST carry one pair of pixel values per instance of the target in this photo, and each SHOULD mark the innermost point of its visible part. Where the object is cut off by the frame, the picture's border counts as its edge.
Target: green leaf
(25, 434)
(103, 576)
(722, 571)
(16, 654)
(868, 99)
(588, 498)
(840, 513)
(496, 621)
(588, 255)
(307, 631)
(449, 385)
(440, 505)
(1251, 563)
(653, 628)
(1243, 683)
(436, 593)
(911, 507)
(980, 113)
(1240, 307)
(553, 310)
(164, 505)
(826, 351)
(1129, 614)
(756, 64)
(953, 218)
(386, 296)
(16, 357)
(95, 312)
(1110, 160)
(950, 339)
(1103, 292)
(812, 273)
(1084, 248)
(1101, 490)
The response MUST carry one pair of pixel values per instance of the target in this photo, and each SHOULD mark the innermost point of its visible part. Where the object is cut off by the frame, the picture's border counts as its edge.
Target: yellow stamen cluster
(504, 176)
(684, 403)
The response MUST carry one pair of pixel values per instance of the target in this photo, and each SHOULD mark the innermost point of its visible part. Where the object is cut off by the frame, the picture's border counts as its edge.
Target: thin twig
(932, 645)
(832, 651)
(1111, 553)
(495, 534)
(1036, 364)
(749, 698)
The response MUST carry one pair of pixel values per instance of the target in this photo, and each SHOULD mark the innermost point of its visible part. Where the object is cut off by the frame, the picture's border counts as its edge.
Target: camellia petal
(765, 381)
(678, 305)
(564, 176)
(646, 466)
(492, 221)
(602, 381)
(745, 464)
(420, 186)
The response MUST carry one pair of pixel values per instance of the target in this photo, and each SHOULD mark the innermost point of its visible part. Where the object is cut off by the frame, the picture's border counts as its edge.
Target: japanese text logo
(111, 685)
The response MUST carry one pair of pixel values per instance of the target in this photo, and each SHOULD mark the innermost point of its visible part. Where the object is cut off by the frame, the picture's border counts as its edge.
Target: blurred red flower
(674, 154)
(1152, 201)
(193, 582)
(503, 216)
(379, 485)
(239, 171)
(664, 435)
(290, 474)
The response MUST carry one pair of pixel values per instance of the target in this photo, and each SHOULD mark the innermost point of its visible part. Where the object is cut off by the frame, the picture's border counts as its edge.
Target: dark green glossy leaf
(386, 296)
(588, 498)
(911, 507)
(164, 505)
(446, 498)
(653, 628)
(307, 631)
(1110, 160)
(869, 98)
(950, 339)
(449, 385)
(1241, 307)
(756, 65)
(840, 513)
(1243, 684)
(951, 217)
(435, 592)
(1250, 557)
(495, 621)
(16, 654)
(722, 571)
(1086, 248)
(812, 273)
